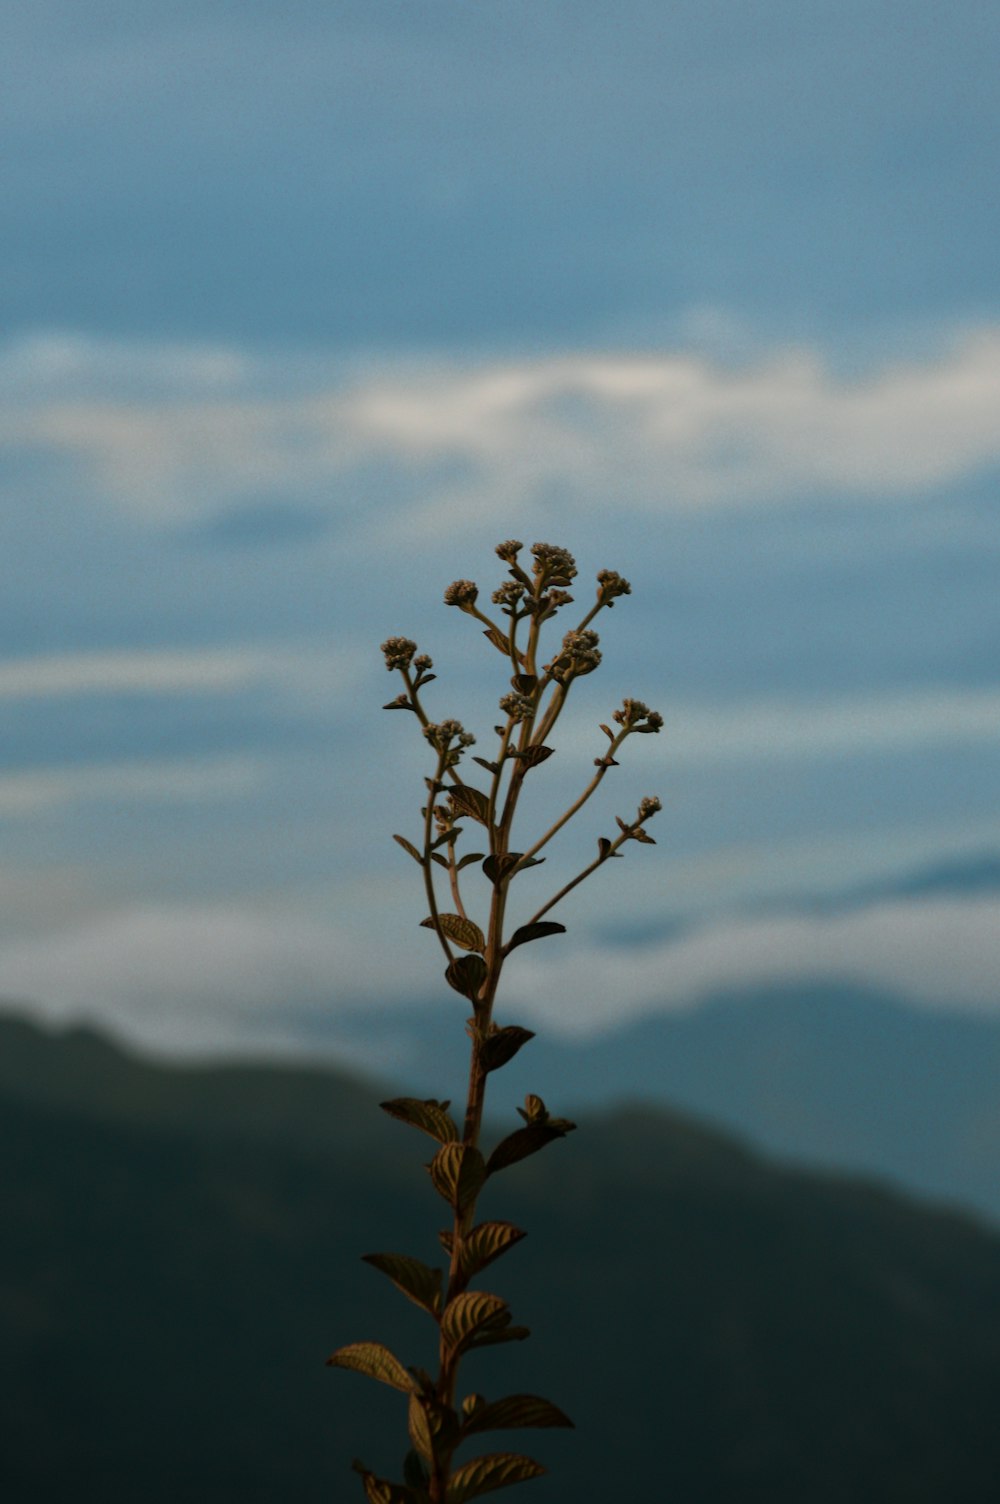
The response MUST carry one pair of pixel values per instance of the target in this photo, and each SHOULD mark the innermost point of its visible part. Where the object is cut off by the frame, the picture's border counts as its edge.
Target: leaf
(516, 1412)
(381, 1491)
(529, 861)
(442, 861)
(534, 755)
(534, 1109)
(466, 974)
(471, 1314)
(491, 767)
(641, 836)
(458, 1172)
(487, 1242)
(524, 683)
(433, 1427)
(608, 732)
(502, 1046)
(502, 1334)
(376, 1361)
(419, 1283)
(468, 859)
(501, 642)
(466, 800)
(408, 846)
(604, 847)
(415, 1473)
(430, 1116)
(419, 1429)
(536, 931)
(484, 1474)
(461, 931)
(521, 1143)
(498, 867)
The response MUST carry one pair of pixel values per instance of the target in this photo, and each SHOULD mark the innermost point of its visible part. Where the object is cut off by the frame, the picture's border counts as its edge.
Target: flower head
(509, 551)
(398, 652)
(461, 593)
(579, 654)
(611, 584)
(517, 706)
(553, 562)
(450, 738)
(637, 716)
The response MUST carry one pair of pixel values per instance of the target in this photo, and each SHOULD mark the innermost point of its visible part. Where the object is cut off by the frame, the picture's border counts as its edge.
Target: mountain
(181, 1251)
(825, 1074)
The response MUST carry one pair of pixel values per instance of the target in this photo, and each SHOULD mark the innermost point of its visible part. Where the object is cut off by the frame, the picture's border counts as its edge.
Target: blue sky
(304, 307)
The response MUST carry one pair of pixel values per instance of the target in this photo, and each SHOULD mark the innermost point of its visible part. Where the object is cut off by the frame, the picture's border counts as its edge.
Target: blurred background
(303, 308)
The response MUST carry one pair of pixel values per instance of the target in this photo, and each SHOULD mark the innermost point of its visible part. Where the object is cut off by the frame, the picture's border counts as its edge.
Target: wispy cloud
(667, 431)
(134, 672)
(228, 976)
(40, 791)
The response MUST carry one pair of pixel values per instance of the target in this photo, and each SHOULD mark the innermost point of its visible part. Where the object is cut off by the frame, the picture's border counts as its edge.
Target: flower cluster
(610, 584)
(578, 655)
(398, 652)
(450, 738)
(649, 806)
(518, 707)
(636, 716)
(461, 593)
(509, 551)
(508, 594)
(553, 563)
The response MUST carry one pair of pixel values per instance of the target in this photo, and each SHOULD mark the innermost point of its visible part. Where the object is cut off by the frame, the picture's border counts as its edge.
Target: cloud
(668, 431)
(228, 976)
(772, 730)
(135, 671)
(24, 795)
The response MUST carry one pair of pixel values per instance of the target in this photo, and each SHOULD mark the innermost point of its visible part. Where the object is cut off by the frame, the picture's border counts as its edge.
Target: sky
(305, 307)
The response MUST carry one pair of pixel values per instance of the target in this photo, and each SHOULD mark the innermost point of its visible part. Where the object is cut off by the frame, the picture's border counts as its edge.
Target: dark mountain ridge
(181, 1251)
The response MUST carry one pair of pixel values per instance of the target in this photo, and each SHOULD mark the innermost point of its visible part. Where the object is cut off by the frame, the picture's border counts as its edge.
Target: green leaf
(484, 1474)
(522, 1142)
(468, 859)
(458, 1172)
(466, 974)
(470, 1315)
(536, 931)
(408, 846)
(376, 1361)
(498, 867)
(430, 1116)
(514, 1413)
(502, 1046)
(381, 1491)
(487, 1242)
(419, 1283)
(469, 801)
(461, 931)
